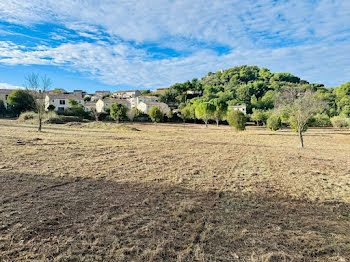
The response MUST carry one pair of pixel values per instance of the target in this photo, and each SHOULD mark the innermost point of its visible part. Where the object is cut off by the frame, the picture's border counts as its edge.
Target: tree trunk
(40, 124)
(206, 123)
(217, 121)
(301, 139)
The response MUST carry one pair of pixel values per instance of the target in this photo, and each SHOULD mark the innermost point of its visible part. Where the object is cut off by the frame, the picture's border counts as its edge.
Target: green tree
(205, 111)
(156, 114)
(220, 109)
(259, 116)
(236, 119)
(169, 114)
(274, 122)
(2, 108)
(76, 109)
(186, 113)
(87, 98)
(20, 101)
(118, 112)
(300, 107)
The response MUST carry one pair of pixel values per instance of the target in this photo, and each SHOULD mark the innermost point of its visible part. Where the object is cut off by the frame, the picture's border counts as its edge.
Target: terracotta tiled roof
(115, 100)
(64, 96)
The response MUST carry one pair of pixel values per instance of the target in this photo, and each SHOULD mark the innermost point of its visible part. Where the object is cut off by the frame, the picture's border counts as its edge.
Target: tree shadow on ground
(82, 219)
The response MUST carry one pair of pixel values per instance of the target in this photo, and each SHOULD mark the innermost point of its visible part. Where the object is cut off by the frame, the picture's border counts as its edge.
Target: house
(89, 106)
(103, 104)
(127, 94)
(100, 95)
(241, 108)
(4, 93)
(161, 90)
(193, 93)
(134, 101)
(144, 107)
(61, 101)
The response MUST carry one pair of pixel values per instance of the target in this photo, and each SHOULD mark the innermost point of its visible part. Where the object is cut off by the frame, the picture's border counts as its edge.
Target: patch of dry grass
(103, 192)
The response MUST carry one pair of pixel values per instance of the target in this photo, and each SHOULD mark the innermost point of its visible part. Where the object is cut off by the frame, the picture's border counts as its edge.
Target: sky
(138, 44)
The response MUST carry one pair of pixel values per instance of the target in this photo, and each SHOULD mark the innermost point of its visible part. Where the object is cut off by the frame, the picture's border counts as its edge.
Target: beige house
(4, 93)
(89, 106)
(103, 104)
(144, 107)
(127, 94)
(134, 101)
(99, 95)
(241, 108)
(61, 101)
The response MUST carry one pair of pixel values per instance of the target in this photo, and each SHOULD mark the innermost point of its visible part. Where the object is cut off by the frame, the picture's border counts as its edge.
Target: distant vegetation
(271, 99)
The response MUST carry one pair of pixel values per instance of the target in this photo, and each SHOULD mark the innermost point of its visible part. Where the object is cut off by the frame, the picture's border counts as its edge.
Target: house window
(53, 100)
(62, 102)
(60, 108)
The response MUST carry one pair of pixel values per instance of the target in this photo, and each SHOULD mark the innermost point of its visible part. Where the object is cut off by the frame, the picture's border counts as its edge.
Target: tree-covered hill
(254, 87)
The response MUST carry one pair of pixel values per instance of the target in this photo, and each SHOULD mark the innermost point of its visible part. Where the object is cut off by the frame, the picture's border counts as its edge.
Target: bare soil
(169, 192)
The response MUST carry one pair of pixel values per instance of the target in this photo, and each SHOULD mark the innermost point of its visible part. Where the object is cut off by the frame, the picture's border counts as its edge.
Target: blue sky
(123, 44)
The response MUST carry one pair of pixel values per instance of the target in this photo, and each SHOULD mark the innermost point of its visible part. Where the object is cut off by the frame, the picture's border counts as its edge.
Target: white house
(99, 95)
(144, 107)
(103, 104)
(127, 94)
(134, 101)
(241, 108)
(61, 101)
(89, 106)
(4, 93)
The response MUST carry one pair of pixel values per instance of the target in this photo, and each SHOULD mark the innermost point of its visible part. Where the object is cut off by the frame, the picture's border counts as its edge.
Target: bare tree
(299, 106)
(95, 114)
(38, 86)
(131, 114)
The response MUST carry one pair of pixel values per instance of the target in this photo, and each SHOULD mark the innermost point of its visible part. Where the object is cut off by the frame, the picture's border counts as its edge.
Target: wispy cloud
(9, 86)
(108, 40)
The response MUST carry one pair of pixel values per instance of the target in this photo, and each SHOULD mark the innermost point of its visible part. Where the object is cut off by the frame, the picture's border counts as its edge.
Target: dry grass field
(144, 192)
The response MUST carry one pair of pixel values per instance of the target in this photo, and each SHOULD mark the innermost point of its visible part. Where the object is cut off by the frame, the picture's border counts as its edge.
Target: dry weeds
(102, 192)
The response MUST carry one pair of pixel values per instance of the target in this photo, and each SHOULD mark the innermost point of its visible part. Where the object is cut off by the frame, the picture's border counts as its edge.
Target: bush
(340, 121)
(274, 122)
(156, 114)
(259, 116)
(118, 112)
(236, 119)
(294, 126)
(320, 120)
(27, 116)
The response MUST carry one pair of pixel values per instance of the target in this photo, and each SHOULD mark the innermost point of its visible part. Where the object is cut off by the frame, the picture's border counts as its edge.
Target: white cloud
(307, 38)
(124, 64)
(9, 86)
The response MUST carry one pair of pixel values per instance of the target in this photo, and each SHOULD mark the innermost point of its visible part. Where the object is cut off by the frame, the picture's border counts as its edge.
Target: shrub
(274, 122)
(294, 125)
(118, 112)
(156, 114)
(340, 121)
(236, 119)
(51, 108)
(27, 116)
(259, 116)
(320, 120)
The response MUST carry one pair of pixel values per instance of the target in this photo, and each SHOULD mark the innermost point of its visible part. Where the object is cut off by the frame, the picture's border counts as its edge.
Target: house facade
(89, 106)
(134, 101)
(61, 101)
(241, 108)
(127, 94)
(4, 93)
(99, 95)
(144, 107)
(103, 104)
